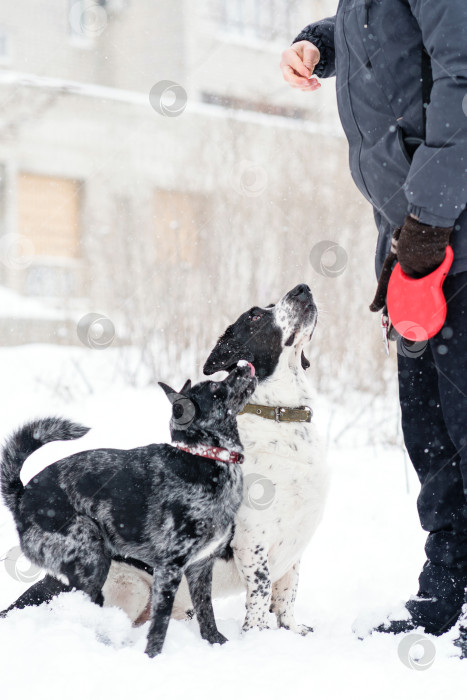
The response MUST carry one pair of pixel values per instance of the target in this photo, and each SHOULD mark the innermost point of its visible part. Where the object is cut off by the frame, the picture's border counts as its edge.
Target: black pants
(433, 397)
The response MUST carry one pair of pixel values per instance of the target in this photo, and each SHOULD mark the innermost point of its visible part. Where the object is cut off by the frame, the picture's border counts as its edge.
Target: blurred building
(155, 167)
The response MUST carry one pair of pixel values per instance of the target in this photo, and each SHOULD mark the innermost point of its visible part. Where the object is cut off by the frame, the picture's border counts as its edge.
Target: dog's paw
(152, 650)
(303, 630)
(217, 638)
(257, 625)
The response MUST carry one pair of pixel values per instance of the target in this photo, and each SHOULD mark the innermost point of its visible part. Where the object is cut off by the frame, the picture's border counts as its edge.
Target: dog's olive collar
(280, 414)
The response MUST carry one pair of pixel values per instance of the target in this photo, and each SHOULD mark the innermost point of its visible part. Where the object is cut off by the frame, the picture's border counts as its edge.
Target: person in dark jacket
(401, 83)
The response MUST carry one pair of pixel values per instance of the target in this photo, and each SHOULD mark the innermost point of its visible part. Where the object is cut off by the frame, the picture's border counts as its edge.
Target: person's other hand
(298, 63)
(421, 248)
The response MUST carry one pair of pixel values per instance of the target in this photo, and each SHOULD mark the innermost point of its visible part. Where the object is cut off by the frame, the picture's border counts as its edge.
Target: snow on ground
(364, 560)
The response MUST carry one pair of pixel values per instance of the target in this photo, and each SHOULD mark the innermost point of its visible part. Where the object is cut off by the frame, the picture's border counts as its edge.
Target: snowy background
(168, 224)
(363, 561)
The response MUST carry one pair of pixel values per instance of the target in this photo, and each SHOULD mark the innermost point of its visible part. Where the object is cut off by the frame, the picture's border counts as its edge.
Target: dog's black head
(261, 334)
(206, 412)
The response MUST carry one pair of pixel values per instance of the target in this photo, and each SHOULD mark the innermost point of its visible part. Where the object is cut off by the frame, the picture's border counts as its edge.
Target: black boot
(399, 621)
(435, 616)
(438, 603)
(395, 626)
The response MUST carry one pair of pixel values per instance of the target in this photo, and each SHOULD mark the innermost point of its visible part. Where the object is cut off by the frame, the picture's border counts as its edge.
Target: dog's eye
(213, 387)
(255, 318)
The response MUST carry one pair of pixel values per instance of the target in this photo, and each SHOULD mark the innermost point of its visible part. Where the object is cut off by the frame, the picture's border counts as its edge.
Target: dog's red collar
(220, 454)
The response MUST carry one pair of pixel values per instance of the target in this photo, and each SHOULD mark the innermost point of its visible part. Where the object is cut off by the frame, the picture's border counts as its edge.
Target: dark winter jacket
(374, 48)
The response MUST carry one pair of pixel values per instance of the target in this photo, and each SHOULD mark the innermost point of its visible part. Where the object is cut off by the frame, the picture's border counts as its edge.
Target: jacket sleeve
(321, 34)
(436, 186)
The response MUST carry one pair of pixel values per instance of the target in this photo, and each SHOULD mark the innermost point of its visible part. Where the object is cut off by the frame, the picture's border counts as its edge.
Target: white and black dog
(171, 506)
(284, 461)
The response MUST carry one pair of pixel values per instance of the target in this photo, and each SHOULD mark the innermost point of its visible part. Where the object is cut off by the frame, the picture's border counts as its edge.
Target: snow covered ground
(364, 559)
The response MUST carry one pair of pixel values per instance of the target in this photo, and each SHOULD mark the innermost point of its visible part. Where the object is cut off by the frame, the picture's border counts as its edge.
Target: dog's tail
(23, 443)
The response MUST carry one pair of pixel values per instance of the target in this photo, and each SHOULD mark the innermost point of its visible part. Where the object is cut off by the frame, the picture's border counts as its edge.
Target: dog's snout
(301, 292)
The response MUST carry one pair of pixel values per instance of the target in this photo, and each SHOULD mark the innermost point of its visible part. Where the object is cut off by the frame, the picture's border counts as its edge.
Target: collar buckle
(309, 414)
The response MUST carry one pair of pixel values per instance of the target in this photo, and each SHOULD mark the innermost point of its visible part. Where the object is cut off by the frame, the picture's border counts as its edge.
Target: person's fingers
(311, 56)
(292, 78)
(311, 87)
(313, 84)
(291, 58)
(295, 60)
(298, 63)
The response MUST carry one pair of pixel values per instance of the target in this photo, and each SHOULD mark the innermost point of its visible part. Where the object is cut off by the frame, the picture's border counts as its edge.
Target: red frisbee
(417, 307)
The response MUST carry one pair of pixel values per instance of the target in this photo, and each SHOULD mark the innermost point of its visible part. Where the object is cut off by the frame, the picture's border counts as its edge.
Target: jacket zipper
(353, 116)
(367, 12)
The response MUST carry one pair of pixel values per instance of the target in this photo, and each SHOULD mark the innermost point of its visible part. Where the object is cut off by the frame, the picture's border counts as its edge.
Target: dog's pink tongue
(242, 363)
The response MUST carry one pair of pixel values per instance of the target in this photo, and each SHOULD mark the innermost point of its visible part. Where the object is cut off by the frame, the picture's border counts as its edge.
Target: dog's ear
(214, 360)
(219, 354)
(186, 387)
(226, 354)
(168, 390)
(305, 361)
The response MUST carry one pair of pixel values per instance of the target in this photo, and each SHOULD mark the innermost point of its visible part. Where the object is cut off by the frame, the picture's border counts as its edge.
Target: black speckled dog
(170, 506)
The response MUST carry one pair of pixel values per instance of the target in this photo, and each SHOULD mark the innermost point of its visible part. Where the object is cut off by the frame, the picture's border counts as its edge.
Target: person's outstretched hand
(298, 63)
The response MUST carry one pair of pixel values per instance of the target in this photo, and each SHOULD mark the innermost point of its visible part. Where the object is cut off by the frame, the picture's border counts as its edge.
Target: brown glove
(380, 297)
(421, 248)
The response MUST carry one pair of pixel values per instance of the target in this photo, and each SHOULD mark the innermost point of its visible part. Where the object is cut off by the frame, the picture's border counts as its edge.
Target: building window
(258, 19)
(48, 215)
(179, 222)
